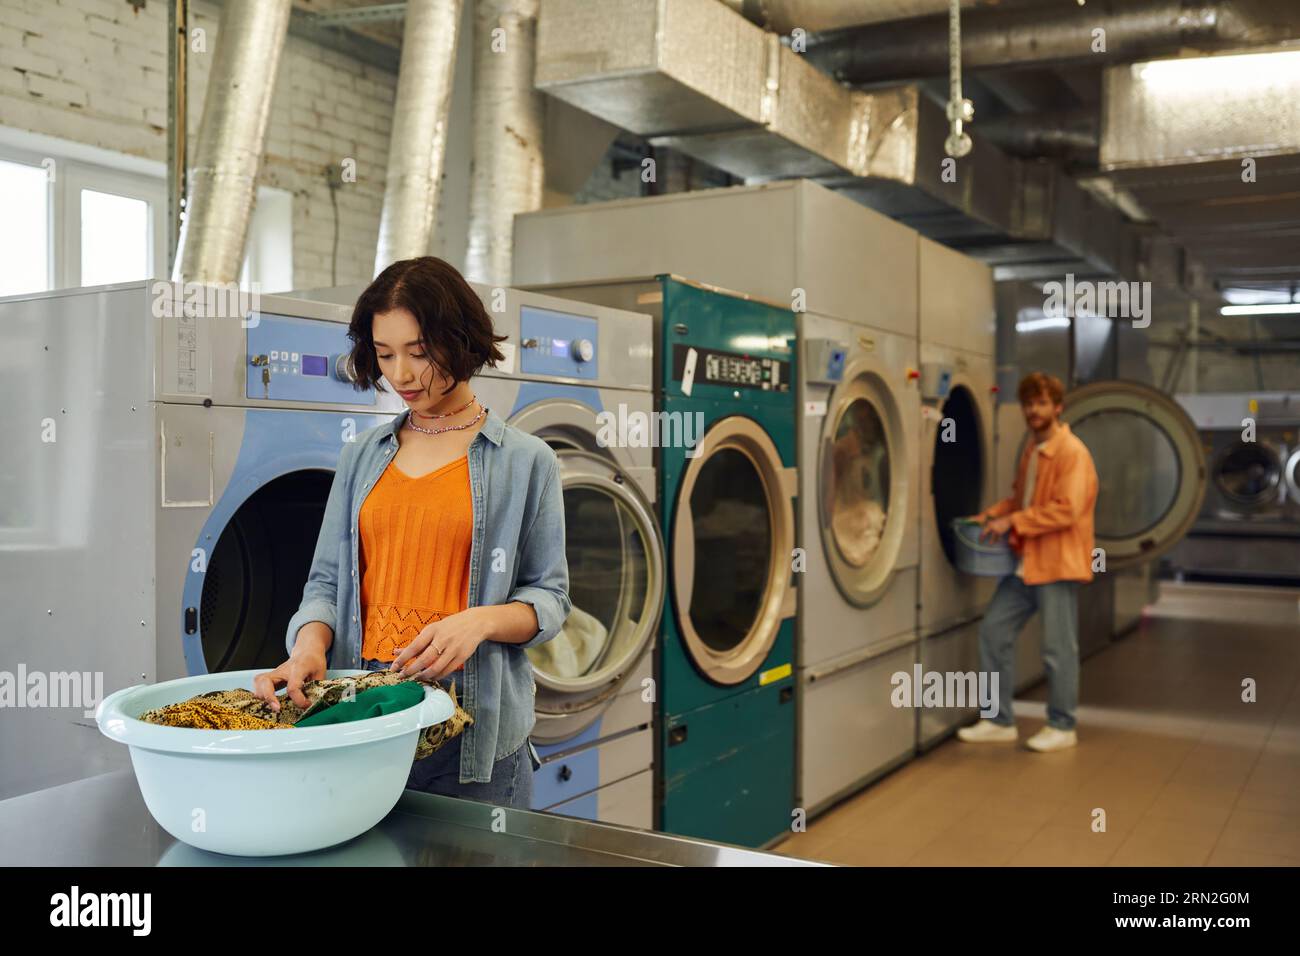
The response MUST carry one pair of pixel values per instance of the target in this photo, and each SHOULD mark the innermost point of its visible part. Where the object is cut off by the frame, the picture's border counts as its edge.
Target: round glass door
(256, 573)
(1249, 473)
(1292, 472)
(616, 587)
(732, 537)
(863, 487)
(1150, 465)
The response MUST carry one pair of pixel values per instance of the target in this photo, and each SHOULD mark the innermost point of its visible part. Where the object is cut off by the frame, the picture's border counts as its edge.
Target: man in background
(1048, 521)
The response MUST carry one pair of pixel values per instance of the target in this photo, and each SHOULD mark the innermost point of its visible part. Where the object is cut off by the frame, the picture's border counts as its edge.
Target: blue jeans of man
(1013, 604)
(512, 776)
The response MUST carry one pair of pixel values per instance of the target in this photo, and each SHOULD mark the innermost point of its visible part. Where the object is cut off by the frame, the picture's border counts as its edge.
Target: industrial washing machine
(724, 368)
(573, 373)
(172, 450)
(1249, 525)
(858, 501)
(849, 276)
(958, 384)
(1151, 469)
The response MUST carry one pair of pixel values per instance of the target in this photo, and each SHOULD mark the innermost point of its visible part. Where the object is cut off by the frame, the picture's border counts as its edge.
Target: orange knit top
(415, 543)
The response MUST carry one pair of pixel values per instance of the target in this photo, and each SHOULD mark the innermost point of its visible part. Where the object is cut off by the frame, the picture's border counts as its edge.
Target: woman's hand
(293, 673)
(445, 645)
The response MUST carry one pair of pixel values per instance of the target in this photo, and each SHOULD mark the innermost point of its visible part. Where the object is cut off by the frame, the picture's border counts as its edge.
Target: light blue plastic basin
(266, 792)
(985, 559)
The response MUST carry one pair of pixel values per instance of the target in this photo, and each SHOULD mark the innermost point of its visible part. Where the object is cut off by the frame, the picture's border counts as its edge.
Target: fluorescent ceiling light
(1038, 325)
(1255, 297)
(1206, 74)
(1280, 309)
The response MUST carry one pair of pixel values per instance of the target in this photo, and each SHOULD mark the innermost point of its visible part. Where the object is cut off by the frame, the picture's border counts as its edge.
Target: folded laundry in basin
(369, 703)
(320, 694)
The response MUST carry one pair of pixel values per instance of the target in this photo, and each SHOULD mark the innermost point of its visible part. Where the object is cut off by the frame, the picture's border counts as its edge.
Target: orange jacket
(1054, 532)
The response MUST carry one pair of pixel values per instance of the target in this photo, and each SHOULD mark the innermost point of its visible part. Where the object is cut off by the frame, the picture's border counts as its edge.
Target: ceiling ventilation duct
(783, 16)
(1201, 109)
(223, 180)
(418, 142)
(1052, 33)
(692, 75)
(509, 123)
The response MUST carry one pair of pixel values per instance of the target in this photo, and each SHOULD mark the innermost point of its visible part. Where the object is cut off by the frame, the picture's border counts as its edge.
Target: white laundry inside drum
(575, 650)
(859, 526)
(860, 483)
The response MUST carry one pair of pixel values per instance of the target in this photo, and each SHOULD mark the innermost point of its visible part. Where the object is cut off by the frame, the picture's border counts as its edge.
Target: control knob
(583, 350)
(343, 369)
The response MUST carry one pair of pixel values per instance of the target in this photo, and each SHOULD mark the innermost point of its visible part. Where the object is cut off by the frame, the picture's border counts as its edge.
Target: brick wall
(95, 72)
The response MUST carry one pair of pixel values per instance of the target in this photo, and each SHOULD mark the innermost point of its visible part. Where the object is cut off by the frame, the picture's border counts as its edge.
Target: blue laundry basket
(985, 559)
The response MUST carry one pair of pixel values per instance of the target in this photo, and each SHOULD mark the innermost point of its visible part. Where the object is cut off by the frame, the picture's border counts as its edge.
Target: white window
(80, 216)
(25, 254)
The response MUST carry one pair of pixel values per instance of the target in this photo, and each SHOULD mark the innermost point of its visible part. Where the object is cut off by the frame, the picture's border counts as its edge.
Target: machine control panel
(732, 369)
(936, 381)
(557, 343)
(296, 359)
(824, 359)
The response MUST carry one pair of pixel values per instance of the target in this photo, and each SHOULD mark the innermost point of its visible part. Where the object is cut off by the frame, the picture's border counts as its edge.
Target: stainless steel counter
(102, 821)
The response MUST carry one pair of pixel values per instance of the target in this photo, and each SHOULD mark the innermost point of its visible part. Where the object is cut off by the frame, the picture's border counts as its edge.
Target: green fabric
(369, 703)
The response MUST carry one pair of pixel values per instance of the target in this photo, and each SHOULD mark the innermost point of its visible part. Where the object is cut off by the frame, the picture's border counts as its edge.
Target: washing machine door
(1292, 475)
(733, 534)
(256, 571)
(1151, 468)
(616, 585)
(1249, 474)
(863, 483)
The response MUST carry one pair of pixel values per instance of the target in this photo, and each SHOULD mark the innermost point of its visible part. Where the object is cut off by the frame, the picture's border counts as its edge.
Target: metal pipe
(992, 37)
(1037, 134)
(223, 182)
(178, 27)
(509, 118)
(815, 16)
(418, 143)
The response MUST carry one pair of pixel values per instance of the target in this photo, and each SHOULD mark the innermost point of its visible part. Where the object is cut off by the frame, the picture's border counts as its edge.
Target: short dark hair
(1040, 383)
(456, 330)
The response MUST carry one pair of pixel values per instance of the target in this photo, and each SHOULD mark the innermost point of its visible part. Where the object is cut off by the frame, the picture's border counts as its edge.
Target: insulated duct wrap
(509, 119)
(695, 76)
(418, 143)
(223, 180)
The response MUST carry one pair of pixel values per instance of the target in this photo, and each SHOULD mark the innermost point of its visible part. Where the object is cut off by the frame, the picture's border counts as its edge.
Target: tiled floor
(1187, 774)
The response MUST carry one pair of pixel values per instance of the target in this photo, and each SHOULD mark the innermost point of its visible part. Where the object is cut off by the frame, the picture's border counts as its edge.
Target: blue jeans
(1013, 604)
(512, 776)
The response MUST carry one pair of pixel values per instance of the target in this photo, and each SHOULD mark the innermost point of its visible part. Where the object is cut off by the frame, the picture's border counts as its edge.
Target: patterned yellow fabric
(204, 715)
(239, 709)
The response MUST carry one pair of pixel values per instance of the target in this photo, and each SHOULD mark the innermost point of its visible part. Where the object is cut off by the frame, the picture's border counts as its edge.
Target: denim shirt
(516, 554)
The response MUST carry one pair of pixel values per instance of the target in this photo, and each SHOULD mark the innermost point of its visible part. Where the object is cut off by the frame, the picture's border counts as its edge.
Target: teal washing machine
(725, 381)
(727, 377)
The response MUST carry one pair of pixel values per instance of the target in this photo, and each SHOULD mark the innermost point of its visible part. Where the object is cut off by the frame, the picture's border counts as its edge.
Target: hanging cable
(960, 109)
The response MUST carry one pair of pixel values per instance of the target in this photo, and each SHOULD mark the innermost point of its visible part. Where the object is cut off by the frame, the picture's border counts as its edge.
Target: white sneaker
(1050, 738)
(987, 732)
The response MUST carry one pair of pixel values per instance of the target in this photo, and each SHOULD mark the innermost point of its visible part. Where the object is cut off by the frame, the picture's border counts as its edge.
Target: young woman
(441, 552)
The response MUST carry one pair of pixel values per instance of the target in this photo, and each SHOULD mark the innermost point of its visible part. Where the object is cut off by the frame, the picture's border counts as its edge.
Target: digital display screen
(733, 369)
(315, 365)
